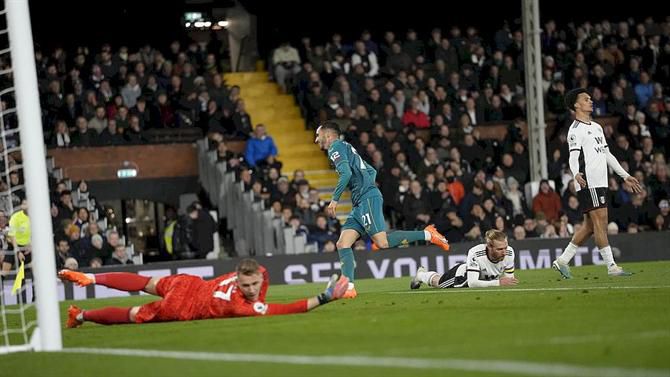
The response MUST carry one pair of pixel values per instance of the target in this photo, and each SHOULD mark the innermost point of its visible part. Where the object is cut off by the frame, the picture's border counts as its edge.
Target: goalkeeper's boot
(351, 292)
(618, 271)
(416, 283)
(78, 278)
(436, 238)
(72, 313)
(564, 269)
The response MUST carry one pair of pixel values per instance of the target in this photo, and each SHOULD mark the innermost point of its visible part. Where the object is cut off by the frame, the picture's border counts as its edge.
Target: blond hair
(495, 235)
(247, 267)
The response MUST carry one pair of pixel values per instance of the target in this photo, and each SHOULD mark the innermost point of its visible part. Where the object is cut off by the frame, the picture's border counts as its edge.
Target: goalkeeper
(187, 297)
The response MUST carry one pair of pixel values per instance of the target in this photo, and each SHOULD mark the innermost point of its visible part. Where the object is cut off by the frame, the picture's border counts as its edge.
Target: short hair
(495, 235)
(247, 267)
(571, 97)
(330, 125)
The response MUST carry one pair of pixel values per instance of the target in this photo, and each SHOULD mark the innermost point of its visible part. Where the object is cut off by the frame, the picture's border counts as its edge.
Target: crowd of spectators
(414, 107)
(112, 97)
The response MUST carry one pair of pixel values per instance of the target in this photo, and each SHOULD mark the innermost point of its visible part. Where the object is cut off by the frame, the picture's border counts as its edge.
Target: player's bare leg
(348, 264)
(599, 219)
(578, 239)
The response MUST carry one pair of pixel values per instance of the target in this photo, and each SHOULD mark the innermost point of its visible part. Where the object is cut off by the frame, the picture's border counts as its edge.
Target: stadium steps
(283, 121)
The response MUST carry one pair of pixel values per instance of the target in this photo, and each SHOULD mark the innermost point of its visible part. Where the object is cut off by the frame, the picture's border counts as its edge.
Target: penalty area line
(505, 289)
(489, 366)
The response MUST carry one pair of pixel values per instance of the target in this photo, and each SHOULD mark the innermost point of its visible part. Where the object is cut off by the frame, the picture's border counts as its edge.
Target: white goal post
(47, 336)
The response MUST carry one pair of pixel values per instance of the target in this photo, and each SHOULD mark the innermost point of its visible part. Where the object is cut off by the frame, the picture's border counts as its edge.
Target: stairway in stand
(281, 116)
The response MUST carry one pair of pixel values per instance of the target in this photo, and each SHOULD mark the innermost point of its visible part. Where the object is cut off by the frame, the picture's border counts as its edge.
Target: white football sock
(426, 276)
(606, 254)
(351, 286)
(427, 236)
(80, 316)
(91, 276)
(568, 253)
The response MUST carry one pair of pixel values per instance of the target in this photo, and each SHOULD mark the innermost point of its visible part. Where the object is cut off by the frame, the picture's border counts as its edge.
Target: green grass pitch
(544, 326)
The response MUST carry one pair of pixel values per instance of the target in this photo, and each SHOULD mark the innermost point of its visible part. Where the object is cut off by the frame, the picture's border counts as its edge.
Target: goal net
(30, 318)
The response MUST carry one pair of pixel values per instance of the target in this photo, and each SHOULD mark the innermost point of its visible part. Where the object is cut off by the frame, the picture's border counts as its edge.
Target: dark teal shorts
(367, 217)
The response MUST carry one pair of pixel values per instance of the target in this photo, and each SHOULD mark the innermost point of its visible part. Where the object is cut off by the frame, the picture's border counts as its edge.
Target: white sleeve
(614, 164)
(474, 282)
(573, 161)
(374, 66)
(575, 147)
(473, 270)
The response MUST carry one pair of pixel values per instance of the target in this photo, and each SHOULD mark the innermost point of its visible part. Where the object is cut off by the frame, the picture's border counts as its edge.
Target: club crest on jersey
(602, 200)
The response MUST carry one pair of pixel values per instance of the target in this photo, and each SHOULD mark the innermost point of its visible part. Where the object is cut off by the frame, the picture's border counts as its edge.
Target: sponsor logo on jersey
(260, 307)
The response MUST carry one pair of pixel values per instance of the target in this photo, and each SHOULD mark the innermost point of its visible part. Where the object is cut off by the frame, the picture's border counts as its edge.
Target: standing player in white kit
(589, 159)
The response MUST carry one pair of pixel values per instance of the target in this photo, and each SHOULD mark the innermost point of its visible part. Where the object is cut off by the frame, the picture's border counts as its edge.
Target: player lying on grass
(366, 216)
(187, 297)
(490, 264)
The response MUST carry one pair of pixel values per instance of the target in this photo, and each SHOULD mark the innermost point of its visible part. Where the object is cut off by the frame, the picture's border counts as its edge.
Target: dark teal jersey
(354, 173)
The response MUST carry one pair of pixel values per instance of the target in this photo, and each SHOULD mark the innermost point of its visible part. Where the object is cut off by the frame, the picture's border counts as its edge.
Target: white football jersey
(589, 140)
(479, 261)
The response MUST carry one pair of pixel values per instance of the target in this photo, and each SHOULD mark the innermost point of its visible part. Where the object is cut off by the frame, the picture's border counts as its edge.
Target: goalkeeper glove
(334, 290)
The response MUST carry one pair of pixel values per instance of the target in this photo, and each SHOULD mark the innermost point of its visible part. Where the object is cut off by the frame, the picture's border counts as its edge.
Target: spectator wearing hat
(283, 193)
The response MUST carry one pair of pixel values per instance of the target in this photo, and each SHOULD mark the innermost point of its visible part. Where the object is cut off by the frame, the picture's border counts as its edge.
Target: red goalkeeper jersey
(188, 297)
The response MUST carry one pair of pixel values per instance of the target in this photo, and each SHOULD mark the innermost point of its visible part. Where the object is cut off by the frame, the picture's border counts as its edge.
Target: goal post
(48, 333)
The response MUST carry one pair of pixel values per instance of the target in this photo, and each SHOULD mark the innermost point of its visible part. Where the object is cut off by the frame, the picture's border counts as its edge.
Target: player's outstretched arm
(475, 282)
(334, 290)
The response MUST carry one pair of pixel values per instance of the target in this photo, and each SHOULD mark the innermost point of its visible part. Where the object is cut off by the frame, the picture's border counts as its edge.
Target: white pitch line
(488, 366)
(505, 289)
(595, 338)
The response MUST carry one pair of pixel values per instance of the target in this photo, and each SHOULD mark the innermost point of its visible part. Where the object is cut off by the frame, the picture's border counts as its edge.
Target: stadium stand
(441, 116)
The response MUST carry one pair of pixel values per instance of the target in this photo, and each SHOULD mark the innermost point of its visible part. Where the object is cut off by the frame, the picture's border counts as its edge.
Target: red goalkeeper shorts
(180, 300)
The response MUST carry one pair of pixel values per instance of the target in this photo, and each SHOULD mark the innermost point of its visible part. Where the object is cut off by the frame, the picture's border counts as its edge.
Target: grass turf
(592, 320)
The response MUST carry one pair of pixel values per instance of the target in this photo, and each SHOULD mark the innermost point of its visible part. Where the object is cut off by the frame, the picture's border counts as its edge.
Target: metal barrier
(256, 229)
